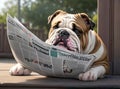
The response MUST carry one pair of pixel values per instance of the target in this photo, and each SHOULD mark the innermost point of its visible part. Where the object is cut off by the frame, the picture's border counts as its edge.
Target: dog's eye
(56, 26)
(77, 31)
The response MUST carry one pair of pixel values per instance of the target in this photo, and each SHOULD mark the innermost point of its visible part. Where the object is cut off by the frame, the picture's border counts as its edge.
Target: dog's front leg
(92, 74)
(18, 70)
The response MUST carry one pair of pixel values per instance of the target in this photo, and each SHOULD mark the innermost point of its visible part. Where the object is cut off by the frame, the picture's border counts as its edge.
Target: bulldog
(74, 32)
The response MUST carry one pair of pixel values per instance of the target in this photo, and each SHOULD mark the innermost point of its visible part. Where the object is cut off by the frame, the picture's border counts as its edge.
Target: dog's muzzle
(64, 34)
(64, 38)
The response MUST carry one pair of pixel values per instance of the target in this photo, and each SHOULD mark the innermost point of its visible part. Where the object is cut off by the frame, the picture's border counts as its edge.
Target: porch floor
(36, 81)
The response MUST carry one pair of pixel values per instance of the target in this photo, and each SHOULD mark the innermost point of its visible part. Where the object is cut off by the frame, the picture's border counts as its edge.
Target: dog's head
(69, 31)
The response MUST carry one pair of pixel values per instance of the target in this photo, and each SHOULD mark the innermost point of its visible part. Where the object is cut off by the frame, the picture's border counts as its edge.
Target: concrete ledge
(36, 81)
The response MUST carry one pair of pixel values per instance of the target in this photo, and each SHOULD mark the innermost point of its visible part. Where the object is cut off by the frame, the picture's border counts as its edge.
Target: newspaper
(43, 58)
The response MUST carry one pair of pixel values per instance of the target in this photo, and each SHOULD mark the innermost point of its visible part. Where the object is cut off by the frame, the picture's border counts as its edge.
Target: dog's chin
(67, 48)
(66, 45)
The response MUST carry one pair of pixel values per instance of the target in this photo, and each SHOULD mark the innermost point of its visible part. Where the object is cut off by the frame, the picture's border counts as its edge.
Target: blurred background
(34, 13)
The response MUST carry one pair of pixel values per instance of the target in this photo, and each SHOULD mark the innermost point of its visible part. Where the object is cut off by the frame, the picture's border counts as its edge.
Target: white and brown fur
(87, 42)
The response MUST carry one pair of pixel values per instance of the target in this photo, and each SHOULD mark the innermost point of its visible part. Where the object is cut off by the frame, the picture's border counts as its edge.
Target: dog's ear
(50, 18)
(88, 21)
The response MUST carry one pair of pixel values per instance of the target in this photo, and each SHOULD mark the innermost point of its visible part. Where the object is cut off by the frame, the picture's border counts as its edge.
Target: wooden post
(109, 30)
(116, 36)
(19, 10)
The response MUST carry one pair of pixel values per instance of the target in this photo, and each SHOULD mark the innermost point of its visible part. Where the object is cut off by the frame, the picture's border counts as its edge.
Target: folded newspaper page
(43, 58)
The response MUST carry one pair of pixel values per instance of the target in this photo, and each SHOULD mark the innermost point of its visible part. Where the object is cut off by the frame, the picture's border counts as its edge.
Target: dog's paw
(19, 70)
(92, 74)
(88, 76)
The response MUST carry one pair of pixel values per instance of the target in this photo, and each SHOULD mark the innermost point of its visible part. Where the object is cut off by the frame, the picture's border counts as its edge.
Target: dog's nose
(64, 34)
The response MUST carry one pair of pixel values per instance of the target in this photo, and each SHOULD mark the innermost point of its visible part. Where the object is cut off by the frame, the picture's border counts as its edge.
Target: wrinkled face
(67, 30)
